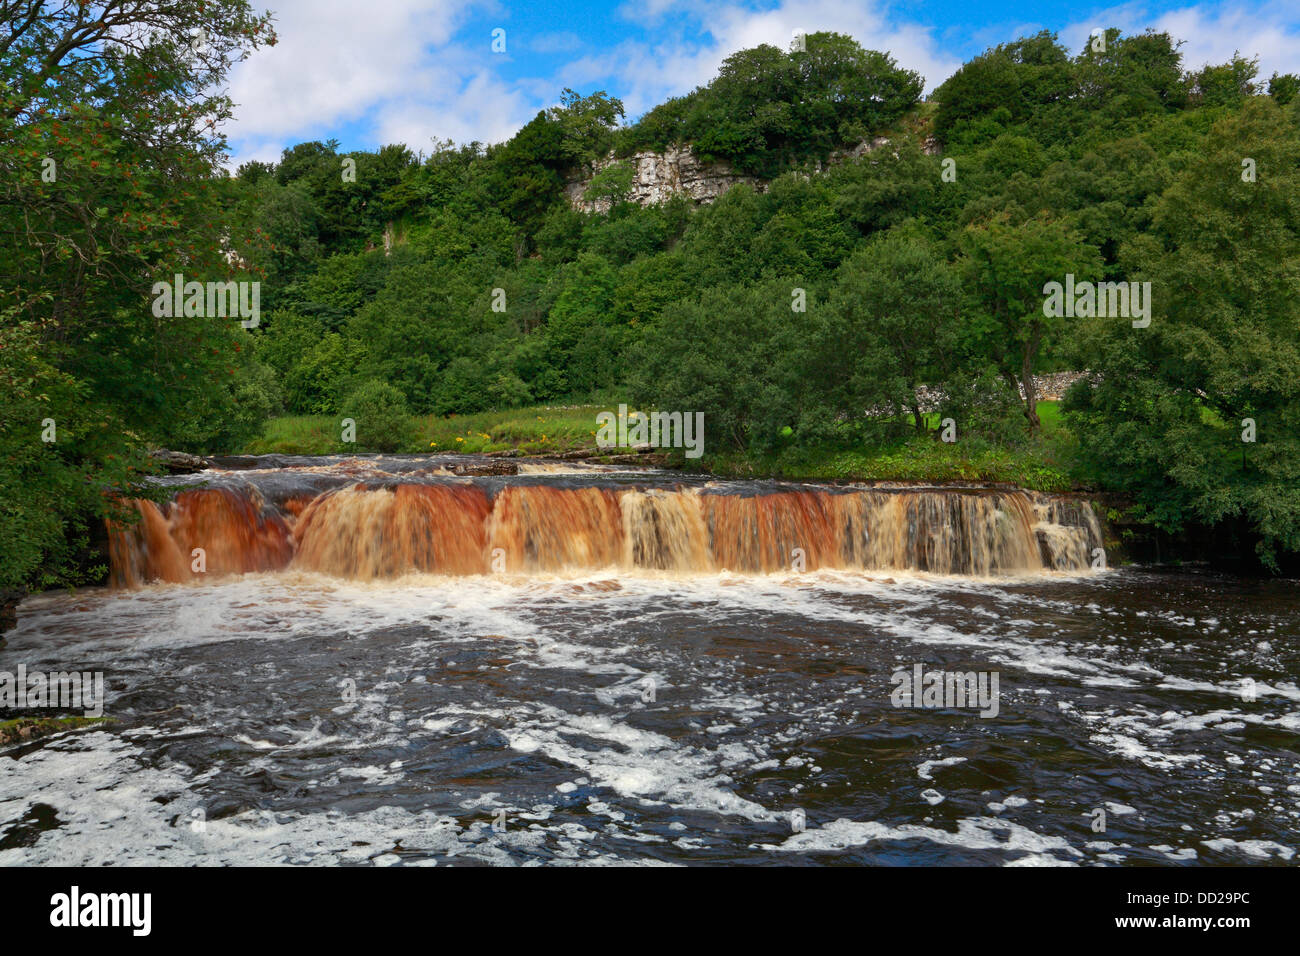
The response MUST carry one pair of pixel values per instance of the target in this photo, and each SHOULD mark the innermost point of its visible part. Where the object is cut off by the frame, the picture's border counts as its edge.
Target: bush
(379, 410)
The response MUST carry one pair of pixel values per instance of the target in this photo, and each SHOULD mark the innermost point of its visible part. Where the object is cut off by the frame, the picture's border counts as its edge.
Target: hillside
(738, 252)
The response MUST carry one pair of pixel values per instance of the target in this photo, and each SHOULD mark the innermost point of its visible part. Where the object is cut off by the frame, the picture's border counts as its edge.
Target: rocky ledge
(677, 171)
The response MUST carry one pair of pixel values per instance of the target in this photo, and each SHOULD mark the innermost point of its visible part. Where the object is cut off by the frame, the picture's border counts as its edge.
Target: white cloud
(337, 61)
(406, 70)
(693, 37)
(1212, 33)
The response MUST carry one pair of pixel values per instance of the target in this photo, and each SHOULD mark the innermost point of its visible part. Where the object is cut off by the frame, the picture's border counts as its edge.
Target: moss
(29, 728)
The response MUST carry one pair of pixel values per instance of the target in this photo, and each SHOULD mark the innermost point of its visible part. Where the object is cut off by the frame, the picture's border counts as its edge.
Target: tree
(108, 184)
(1283, 87)
(729, 354)
(586, 124)
(1227, 84)
(891, 327)
(580, 332)
(767, 108)
(1005, 268)
(1017, 77)
(382, 420)
(1198, 416)
(610, 186)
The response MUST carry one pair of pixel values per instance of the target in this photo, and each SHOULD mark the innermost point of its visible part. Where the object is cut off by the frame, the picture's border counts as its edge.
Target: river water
(615, 715)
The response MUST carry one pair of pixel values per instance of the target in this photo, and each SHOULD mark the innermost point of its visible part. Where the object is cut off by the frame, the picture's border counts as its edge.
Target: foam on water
(771, 694)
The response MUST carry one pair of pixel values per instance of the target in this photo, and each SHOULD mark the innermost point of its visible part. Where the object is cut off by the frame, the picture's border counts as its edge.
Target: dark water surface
(238, 740)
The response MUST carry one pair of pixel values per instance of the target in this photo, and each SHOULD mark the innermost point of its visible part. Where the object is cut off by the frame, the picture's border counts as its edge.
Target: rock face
(657, 177)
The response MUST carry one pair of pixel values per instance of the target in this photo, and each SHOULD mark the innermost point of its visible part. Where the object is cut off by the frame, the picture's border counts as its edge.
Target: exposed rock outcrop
(658, 177)
(495, 467)
(178, 462)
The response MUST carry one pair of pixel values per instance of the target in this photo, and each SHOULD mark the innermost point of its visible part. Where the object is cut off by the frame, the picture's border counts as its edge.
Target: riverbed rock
(476, 468)
(9, 600)
(178, 462)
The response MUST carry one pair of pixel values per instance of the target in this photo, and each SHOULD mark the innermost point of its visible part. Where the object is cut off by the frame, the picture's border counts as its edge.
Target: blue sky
(380, 71)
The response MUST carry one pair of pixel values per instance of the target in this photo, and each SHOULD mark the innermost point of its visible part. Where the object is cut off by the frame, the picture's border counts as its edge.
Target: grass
(550, 430)
(1040, 464)
(298, 435)
(533, 431)
(921, 460)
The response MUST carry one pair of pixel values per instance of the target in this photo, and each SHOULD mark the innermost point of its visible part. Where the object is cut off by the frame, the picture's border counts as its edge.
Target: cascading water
(386, 525)
(618, 699)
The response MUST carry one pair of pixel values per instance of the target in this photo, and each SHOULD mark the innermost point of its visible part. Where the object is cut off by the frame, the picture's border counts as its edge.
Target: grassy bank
(1040, 464)
(922, 460)
(540, 430)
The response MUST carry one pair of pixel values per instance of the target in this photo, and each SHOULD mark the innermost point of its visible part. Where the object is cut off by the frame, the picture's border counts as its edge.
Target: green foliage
(527, 173)
(51, 491)
(727, 354)
(1165, 419)
(611, 185)
(767, 108)
(1033, 86)
(108, 184)
(890, 328)
(1283, 87)
(1226, 85)
(452, 284)
(1005, 268)
(382, 420)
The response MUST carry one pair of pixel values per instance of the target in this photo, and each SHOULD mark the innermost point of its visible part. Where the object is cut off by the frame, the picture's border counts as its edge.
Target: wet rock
(9, 600)
(475, 468)
(581, 454)
(654, 460)
(178, 462)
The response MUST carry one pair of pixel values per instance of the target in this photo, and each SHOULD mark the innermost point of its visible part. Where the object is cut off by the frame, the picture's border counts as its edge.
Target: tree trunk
(1027, 383)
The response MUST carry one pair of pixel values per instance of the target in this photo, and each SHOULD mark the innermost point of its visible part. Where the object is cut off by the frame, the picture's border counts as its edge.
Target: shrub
(383, 422)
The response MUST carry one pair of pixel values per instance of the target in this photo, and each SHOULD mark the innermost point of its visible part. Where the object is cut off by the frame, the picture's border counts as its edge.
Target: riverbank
(569, 433)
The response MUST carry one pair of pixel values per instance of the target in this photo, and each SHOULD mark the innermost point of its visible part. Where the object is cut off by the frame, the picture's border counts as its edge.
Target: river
(611, 693)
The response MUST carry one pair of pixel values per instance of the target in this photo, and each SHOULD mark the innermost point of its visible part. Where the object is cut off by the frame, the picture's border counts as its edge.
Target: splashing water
(380, 528)
(357, 687)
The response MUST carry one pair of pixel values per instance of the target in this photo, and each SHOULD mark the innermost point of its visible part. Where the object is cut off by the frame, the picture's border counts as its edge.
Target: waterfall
(372, 530)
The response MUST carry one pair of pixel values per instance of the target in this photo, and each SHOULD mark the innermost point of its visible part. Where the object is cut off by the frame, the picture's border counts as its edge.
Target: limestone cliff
(657, 177)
